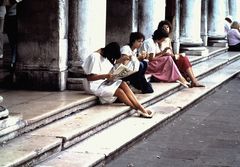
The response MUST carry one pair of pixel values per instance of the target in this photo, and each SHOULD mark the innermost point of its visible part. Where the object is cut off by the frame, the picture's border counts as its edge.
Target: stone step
(37, 108)
(38, 119)
(82, 125)
(212, 52)
(11, 124)
(102, 147)
(204, 68)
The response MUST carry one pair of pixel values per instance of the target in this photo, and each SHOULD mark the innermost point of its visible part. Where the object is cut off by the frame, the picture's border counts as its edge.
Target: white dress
(134, 64)
(97, 64)
(150, 47)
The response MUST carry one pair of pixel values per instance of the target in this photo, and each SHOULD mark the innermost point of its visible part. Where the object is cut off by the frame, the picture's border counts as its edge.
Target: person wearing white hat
(227, 23)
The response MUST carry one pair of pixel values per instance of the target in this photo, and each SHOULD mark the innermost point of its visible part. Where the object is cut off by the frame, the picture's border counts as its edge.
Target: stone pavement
(205, 135)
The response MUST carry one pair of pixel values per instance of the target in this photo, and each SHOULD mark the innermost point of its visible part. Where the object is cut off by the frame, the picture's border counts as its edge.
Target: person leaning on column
(3, 4)
(227, 24)
(2, 15)
(10, 28)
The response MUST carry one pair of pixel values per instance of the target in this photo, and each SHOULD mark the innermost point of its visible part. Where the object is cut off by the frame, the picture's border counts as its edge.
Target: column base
(75, 77)
(75, 70)
(41, 80)
(217, 42)
(194, 50)
(190, 42)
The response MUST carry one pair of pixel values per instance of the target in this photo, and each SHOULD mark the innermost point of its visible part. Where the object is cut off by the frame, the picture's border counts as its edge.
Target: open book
(122, 71)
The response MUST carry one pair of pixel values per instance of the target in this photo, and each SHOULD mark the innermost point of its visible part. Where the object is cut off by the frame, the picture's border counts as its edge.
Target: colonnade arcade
(55, 36)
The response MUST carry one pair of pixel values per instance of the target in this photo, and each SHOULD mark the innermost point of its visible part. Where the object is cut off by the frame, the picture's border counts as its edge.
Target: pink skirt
(163, 69)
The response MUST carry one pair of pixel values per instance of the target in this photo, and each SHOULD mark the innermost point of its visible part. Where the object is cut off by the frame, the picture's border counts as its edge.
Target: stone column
(42, 44)
(216, 11)
(87, 33)
(151, 12)
(234, 9)
(190, 23)
(122, 19)
(204, 18)
(87, 30)
(176, 27)
(190, 28)
(87, 26)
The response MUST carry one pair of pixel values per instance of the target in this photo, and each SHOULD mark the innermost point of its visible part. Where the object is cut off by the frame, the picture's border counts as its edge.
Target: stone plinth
(194, 50)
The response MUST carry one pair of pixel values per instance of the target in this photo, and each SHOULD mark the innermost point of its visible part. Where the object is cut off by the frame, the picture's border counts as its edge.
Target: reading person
(101, 83)
(137, 61)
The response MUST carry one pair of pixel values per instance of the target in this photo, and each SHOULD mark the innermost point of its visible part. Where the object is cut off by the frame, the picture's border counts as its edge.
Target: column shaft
(190, 22)
(234, 9)
(87, 26)
(42, 44)
(121, 20)
(216, 10)
(151, 13)
(204, 20)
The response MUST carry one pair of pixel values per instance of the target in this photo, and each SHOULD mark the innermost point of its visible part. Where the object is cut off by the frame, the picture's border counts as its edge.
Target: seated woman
(182, 61)
(233, 37)
(161, 65)
(137, 80)
(101, 83)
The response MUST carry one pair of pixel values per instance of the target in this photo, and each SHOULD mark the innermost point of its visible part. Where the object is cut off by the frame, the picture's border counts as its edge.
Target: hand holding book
(121, 71)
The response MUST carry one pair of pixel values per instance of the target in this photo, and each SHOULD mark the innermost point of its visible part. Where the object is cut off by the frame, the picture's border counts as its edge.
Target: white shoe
(183, 84)
(145, 115)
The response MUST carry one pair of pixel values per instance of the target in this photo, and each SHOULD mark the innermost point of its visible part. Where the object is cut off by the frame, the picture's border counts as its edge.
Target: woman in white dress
(138, 61)
(101, 83)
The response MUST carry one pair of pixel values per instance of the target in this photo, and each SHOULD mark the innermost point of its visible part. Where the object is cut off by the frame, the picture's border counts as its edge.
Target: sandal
(186, 85)
(197, 85)
(145, 115)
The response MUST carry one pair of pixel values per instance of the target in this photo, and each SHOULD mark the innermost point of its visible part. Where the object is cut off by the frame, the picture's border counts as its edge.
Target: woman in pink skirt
(161, 65)
(182, 61)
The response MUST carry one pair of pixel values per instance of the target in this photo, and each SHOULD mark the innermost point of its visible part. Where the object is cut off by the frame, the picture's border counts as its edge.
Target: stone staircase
(70, 128)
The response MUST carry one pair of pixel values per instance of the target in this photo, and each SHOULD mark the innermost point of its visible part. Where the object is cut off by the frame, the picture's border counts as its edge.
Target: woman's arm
(142, 55)
(162, 53)
(124, 59)
(94, 77)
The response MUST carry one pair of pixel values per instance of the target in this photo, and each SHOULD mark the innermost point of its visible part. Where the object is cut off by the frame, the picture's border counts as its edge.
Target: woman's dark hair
(135, 36)
(159, 34)
(112, 51)
(165, 22)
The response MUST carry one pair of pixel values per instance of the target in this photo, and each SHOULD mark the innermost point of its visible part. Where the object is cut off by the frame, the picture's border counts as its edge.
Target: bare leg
(193, 78)
(121, 95)
(132, 98)
(183, 81)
